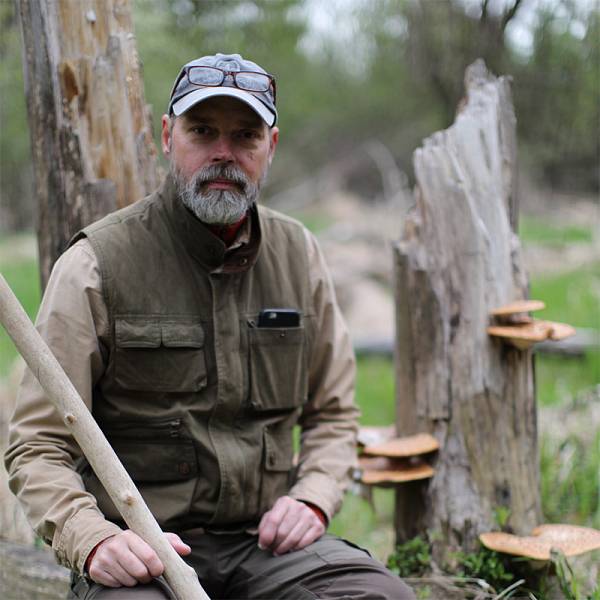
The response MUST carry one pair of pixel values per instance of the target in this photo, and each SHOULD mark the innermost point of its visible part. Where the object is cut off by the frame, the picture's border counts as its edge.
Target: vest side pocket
(278, 373)
(277, 465)
(159, 356)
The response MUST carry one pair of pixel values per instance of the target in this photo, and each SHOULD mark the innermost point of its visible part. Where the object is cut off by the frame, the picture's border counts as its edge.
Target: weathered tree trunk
(90, 128)
(459, 258)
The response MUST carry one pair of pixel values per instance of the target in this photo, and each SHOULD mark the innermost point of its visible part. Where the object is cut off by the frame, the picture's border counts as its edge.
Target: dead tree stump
(458, 258)
(90, 128)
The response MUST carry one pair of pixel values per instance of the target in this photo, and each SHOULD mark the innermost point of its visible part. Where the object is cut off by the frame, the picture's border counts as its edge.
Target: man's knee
(84, 589)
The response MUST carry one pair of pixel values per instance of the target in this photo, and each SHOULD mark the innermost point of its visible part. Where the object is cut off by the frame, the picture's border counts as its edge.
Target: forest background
(358, 76)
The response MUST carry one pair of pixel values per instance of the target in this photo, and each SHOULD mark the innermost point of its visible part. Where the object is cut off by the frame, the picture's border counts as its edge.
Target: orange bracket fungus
(571, 540)
(514, 325)
(397, 460)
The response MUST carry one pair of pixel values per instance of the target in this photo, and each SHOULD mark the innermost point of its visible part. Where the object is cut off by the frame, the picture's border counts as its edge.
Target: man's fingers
(290, 540)
(178, 544)
(270, 522)
(122, 576)
(105, 579)
(312, 535)
(146, 563)
(124, 559)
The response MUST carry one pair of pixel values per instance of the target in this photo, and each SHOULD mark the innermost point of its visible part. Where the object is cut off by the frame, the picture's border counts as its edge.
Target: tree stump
(90, 129)
(459, 258)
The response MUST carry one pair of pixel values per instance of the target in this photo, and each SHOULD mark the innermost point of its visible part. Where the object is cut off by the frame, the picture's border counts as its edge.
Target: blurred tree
(16, 205)
(557, 95)
(390, 70)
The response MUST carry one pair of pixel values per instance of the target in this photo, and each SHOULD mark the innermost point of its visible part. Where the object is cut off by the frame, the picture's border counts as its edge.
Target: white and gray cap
(224, 75)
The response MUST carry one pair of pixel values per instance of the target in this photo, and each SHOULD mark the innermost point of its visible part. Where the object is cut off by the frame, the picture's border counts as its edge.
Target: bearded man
(201, 329)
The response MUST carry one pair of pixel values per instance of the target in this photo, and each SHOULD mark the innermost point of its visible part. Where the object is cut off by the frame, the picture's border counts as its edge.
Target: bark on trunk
(459, 258)
(90, 128)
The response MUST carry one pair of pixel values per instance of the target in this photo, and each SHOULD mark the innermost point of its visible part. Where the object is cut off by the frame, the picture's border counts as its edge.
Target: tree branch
(509, 14)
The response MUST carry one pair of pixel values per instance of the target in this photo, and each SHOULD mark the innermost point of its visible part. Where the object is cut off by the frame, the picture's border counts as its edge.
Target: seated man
(200, 329)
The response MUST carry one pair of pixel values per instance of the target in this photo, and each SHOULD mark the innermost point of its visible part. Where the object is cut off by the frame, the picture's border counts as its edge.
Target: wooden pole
(458, 259)
(107, 466)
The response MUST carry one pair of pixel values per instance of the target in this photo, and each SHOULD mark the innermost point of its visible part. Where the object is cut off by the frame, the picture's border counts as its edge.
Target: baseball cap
(253, 85)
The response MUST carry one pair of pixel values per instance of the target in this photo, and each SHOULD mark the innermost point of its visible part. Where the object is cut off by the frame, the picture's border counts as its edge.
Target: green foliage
(490, 566)
(411, 559)
(570, 480)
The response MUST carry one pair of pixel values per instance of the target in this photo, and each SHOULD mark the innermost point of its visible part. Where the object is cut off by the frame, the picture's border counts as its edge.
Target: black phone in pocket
(279, 317)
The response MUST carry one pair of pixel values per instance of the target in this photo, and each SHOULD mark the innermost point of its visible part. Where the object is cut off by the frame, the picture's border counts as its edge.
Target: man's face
(220, 151)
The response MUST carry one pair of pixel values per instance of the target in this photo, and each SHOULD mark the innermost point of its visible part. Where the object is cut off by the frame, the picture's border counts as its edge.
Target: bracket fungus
(571, 540)
(514, 325)
(397, 460)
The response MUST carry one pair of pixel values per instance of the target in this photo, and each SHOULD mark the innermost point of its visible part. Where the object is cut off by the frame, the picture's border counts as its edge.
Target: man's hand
(289, 525)
(126, 559)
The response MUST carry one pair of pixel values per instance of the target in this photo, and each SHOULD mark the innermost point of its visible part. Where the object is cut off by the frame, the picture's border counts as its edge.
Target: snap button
(184, 468)
(282, 334)
(243, 261)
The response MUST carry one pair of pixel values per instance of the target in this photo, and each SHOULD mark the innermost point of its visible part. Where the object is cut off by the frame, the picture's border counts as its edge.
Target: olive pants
(231, 566)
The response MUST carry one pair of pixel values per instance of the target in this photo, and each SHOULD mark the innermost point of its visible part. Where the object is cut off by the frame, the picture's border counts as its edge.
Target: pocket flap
(182, 335)
(131, 333)
(155, 462)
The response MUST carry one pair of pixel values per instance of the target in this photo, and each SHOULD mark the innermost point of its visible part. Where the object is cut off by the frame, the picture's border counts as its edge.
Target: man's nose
(222, 150)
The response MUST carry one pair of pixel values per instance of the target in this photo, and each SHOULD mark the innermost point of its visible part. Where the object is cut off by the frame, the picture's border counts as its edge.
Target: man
(200, 330)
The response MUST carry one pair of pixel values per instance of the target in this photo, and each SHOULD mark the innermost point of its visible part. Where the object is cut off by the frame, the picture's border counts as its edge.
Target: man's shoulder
(274, 216)
(132, 211)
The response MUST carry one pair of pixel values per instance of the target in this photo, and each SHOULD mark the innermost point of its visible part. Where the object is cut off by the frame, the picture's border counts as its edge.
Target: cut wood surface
(458, 259)
(107, 466)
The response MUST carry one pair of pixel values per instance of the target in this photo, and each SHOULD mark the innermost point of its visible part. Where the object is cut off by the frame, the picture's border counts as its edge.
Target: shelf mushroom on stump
(571, 540)
(397, 460)
(515, 326)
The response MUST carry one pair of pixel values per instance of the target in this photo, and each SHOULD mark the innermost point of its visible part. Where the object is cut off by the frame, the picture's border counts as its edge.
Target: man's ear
(273, 141)
(165, 134)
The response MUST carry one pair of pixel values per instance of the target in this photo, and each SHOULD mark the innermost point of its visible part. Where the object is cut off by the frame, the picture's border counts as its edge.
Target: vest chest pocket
(160, 356)
(278, 373)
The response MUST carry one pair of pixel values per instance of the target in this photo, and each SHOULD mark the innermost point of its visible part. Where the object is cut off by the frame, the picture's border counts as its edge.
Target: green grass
(570, 480)
(572, 297)
(375, 391)
(560, 378)
(532, 230)
(22, 276)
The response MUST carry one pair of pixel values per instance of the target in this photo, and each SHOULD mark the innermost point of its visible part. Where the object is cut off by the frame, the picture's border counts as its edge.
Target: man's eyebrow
(251, 123)
(198, 118)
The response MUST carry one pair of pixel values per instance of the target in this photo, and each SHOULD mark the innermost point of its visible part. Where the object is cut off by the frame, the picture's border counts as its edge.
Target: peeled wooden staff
(107, 466)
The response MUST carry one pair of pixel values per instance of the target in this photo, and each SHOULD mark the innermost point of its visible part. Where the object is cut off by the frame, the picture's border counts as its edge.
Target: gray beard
(217, 207)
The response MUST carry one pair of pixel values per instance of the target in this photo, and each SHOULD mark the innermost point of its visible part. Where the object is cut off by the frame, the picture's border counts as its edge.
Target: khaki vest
(198, 402)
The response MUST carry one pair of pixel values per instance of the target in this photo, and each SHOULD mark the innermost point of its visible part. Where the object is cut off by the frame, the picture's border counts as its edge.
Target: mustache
(212, 172)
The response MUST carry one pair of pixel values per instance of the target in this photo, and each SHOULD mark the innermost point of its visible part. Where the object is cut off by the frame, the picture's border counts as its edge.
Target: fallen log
(27, 572)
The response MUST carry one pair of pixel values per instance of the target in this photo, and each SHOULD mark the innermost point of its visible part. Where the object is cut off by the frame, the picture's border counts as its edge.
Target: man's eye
(248, 134)
(201, 130)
